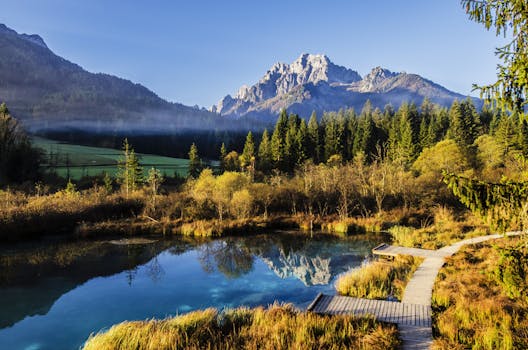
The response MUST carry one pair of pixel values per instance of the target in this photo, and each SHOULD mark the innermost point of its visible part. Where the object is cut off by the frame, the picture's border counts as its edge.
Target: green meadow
(76, 161)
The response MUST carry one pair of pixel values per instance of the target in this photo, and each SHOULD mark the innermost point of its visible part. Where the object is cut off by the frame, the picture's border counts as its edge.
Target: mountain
(314, 83)
(46, 91)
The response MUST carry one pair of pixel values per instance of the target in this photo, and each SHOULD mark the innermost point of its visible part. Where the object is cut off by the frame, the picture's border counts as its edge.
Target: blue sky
(197, 51)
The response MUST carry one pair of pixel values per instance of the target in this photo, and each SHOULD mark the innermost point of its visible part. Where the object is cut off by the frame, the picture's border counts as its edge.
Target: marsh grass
(379, 279)
(472, 302)
(28, 216)
(343, 227)
(277, 327)
(446, 229)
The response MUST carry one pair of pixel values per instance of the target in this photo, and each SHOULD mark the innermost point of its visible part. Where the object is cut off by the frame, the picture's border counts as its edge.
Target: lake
(54, 294)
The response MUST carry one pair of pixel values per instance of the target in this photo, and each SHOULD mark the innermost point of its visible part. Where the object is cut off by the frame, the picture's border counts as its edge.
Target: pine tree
(313, 142)
(247, 159)
(425, 134)
(290, 143)
(464, 123)
(223, 154)
(523, 137)
(278, 139)
(248, 154)
(265, 158)
(195, 163)
(130, 173)
(366, 135)
(301, 143)
(331, 142)
(506, 132)
(406, 142)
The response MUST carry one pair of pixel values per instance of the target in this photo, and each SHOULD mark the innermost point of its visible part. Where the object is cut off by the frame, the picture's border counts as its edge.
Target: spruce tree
(290, 143)
(265, 159)
(278, 139)
(223, 154)
(130, 173)
(406, 143)
(331, 141)
(301, 143)
(195, 163)
(248, 154)
(506, 132)
(313, 142)
(522, 139)
(247, 159)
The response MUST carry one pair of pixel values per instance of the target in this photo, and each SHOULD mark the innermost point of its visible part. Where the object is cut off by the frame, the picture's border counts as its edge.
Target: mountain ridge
(315, 83)
(46, 91)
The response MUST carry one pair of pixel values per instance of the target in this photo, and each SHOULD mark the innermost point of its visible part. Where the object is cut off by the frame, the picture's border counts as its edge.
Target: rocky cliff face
(314, 83)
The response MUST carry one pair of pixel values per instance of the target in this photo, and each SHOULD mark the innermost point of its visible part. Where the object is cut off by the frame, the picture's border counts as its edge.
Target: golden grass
(343, 227)
(379, 279)
(445, 229)
(471, 308)
(278, 327)
(27, 216)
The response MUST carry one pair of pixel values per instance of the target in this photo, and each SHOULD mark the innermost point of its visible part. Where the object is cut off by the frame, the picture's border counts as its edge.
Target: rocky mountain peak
(32, 38)
(313, 82)
(283, 78)
(372, 82)
(35, 39)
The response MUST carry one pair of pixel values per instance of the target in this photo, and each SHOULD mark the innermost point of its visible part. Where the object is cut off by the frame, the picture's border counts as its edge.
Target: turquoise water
(54, 295)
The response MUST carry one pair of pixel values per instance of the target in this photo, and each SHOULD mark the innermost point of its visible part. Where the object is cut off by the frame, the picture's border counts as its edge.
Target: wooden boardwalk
(413, 314)
(386, 311)
(391, 250)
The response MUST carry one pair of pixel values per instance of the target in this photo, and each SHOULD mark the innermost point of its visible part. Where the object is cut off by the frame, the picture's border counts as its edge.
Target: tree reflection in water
(229, 256)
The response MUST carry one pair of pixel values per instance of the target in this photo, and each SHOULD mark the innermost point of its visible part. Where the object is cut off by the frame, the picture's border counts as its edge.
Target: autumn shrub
(277, 327)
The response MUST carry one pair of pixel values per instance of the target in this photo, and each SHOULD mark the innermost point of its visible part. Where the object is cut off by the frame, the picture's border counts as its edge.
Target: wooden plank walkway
(391, 250)
(386, 311)
(413, 313)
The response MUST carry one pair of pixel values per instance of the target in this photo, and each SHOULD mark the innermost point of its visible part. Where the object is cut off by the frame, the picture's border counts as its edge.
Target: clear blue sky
(197, 51)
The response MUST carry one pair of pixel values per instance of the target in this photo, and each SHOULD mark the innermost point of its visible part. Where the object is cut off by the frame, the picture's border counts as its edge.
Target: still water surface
(54, 295)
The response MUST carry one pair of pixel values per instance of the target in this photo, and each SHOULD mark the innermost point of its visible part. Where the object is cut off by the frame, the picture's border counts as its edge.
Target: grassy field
(75, 161)
(480, 298)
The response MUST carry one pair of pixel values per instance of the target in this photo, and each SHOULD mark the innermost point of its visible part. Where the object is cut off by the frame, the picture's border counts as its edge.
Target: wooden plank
(314, 302)
(322, 306)
(390, 312)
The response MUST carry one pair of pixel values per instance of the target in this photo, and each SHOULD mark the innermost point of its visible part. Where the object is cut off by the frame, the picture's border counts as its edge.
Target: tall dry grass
(23, 216)
(278, 327)
(379, 279)
(446, 228)
(471, 306)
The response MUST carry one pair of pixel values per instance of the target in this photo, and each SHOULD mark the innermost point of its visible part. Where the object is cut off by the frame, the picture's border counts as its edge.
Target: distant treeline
(399, 134)
(174, 145)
